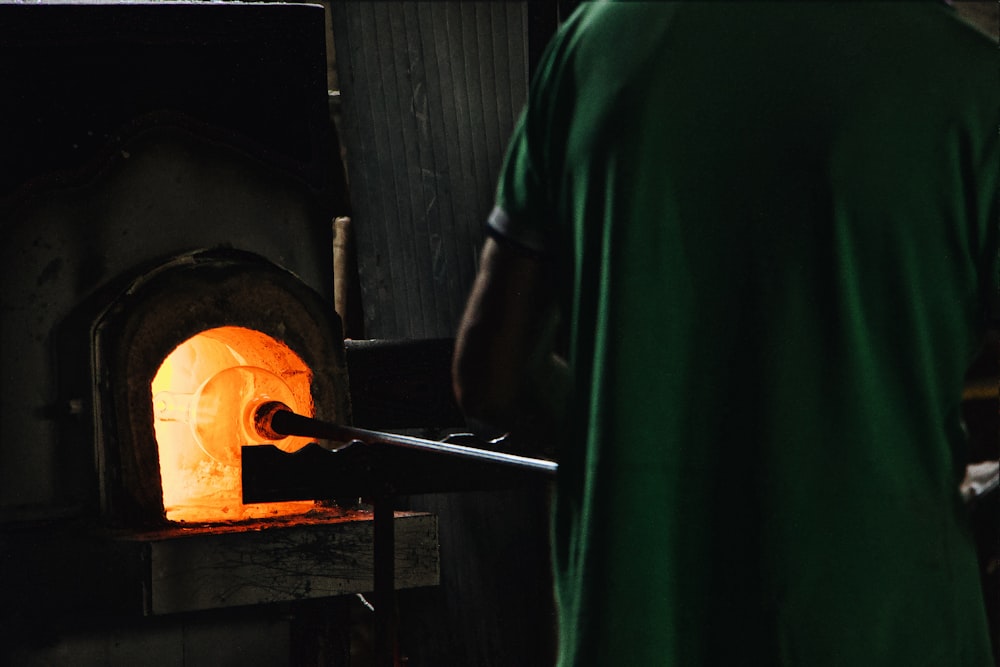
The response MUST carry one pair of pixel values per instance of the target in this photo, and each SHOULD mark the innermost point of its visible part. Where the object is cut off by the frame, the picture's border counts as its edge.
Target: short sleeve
(522, 191)
(521, 194)
(524, 212)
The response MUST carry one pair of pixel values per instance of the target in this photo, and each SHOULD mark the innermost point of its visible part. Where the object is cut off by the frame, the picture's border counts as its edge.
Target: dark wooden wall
(429, 94)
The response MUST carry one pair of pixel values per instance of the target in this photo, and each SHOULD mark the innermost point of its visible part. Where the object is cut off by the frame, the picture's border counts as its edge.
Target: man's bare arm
(504, 371)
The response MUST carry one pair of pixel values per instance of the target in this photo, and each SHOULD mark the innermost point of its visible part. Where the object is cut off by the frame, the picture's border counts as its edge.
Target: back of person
(775, 231)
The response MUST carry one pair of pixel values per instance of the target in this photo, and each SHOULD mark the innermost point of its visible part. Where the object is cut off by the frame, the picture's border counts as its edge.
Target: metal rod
(276, 419)
(384, 576)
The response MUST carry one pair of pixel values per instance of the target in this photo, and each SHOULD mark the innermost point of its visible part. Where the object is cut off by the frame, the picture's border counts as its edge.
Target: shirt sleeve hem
(501, 224)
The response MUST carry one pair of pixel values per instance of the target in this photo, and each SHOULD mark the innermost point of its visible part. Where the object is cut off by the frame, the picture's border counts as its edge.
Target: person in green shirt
(770, 233)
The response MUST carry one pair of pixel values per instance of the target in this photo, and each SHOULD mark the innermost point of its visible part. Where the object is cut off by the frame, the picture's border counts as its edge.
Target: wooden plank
(225, 569)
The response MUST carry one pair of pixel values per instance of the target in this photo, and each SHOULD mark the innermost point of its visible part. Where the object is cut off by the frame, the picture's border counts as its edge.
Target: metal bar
(285, 422)
(385, 582)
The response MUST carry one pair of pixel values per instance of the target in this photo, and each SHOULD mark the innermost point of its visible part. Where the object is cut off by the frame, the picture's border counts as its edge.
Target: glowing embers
(204, 396)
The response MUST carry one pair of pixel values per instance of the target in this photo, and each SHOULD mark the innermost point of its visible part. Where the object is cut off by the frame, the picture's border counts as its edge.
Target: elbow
(483, 394)
(467, 394)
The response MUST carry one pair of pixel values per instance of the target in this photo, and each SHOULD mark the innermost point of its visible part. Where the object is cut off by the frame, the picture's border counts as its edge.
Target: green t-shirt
(774, 228)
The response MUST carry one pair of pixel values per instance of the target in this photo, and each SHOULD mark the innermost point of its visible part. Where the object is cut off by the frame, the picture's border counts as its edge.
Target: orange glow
(204, 396)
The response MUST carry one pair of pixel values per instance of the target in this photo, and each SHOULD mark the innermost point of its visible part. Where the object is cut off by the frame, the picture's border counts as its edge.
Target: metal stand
(378, 466)
(385, 588)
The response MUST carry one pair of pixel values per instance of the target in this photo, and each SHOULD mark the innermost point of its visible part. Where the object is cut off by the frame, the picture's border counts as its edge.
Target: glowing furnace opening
(204, 397)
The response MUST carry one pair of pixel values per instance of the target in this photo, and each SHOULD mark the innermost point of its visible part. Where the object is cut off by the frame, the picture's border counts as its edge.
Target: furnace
(182, 359)
(169, 185)
(205, 395)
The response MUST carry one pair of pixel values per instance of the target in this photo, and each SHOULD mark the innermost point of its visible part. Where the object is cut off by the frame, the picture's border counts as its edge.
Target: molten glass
(221, 412)
(205, 396)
